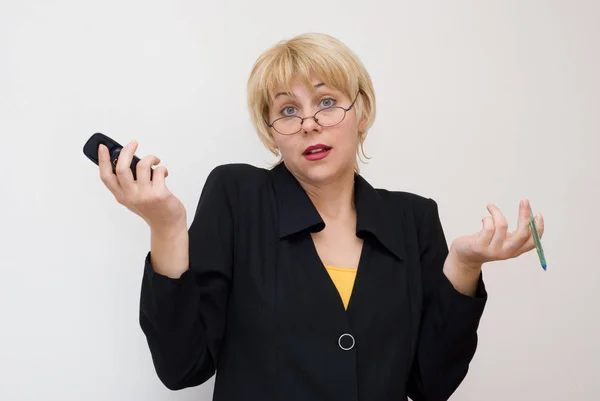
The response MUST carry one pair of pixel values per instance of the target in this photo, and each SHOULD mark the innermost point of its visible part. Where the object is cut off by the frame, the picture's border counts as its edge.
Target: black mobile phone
(90, 149)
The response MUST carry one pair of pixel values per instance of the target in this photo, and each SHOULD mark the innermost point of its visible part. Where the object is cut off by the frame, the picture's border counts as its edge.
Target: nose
(310, 125)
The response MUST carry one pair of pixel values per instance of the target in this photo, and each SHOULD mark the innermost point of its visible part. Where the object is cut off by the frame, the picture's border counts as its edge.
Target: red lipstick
(317, 152)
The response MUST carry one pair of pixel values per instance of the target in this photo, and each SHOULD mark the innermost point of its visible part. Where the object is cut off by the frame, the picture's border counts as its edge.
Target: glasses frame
(314, 117)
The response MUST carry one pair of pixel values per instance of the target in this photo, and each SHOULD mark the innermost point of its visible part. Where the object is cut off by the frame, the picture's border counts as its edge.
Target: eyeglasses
(327, 117)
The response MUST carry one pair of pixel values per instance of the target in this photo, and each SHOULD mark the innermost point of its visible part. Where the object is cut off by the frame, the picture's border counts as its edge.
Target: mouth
(317, 152)
(315, 149)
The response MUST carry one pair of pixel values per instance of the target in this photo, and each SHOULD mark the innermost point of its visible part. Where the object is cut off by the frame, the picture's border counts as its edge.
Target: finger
(530, 243)
(106, 174)
(539, 223)
(487, 232)
(159, 175)
(500, 228)
(519, 237)
(143, 169)
(123, 170)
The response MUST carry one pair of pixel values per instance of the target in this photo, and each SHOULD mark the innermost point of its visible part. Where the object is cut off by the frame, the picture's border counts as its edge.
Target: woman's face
(315, 154)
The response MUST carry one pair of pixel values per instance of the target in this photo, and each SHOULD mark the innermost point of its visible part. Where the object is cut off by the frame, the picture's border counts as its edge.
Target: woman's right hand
(149, 199)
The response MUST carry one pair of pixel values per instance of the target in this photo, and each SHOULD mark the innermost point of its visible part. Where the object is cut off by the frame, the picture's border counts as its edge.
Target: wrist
(462, 265)
(463, 275)
(166, 231)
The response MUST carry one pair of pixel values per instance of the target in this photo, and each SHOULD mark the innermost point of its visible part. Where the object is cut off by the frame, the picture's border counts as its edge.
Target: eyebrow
(317, 86)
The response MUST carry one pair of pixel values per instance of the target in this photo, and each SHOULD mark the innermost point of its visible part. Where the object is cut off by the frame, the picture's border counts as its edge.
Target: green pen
(536, 239)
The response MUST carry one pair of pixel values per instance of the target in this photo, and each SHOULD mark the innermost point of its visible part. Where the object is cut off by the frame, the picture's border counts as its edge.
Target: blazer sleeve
(184, 319)
(449, 321)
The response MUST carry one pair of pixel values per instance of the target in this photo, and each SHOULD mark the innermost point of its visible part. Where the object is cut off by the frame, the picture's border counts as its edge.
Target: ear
(362, 125)
(274, 146)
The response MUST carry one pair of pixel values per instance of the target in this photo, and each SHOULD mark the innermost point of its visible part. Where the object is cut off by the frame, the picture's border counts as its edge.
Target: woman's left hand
(494, 242)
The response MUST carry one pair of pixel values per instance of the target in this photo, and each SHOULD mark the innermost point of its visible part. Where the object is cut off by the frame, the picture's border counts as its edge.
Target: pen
(536, 239)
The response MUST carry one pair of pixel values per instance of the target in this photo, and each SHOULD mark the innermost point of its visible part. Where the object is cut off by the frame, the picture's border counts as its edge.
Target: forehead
(298, 87)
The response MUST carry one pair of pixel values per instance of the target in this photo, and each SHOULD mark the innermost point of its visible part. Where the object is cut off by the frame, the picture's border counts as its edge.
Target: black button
(346, 342)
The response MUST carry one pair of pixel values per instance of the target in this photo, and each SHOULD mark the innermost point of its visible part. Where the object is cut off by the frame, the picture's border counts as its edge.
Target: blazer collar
(297, 213)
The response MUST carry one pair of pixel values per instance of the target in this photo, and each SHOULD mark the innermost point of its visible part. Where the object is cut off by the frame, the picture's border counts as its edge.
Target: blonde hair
(306, 56)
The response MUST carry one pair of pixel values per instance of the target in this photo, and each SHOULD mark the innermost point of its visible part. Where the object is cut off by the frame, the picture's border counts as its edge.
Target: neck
(334, 199)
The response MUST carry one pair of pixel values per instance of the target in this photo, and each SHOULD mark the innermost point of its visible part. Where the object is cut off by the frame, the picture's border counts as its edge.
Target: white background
(478, 101)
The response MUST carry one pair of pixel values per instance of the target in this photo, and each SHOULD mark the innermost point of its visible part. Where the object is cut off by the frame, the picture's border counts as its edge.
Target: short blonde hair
(310, 55)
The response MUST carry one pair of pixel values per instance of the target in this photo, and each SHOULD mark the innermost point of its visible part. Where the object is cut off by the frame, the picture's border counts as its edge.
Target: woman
(303, 282)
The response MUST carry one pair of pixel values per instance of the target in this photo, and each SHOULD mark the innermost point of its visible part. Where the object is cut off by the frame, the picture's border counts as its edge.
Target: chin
(323, 173)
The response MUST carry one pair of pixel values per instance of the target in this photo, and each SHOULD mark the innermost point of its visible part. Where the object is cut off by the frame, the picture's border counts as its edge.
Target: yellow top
(343, 278)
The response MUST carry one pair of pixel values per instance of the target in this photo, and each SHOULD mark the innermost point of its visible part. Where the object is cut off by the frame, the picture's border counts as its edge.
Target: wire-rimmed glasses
(327, 117)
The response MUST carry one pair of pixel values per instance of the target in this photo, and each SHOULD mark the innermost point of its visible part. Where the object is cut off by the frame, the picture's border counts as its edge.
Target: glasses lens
(330, 116)
(288, 125)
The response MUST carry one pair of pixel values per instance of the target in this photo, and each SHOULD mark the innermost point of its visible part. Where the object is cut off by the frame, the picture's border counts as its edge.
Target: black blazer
(258, 307)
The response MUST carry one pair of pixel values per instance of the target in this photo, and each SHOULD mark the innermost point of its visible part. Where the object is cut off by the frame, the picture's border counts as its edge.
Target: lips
(315, 149)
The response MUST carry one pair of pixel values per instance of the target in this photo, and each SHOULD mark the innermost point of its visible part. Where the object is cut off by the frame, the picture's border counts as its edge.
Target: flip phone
(90, 149)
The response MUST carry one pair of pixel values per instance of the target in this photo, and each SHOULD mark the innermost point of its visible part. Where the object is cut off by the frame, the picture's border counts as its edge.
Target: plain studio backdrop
(478, 101)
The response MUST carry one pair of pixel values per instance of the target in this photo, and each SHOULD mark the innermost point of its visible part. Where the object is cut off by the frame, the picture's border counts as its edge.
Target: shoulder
(237, 173)
(418, 214)
(238, 182)
(407, 203)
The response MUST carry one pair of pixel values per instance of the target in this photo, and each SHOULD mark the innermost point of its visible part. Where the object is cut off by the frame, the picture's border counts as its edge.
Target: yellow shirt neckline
(341, 269)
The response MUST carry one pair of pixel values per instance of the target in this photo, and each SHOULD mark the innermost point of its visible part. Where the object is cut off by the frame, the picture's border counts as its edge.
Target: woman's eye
(288, 111)
(327, 102)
